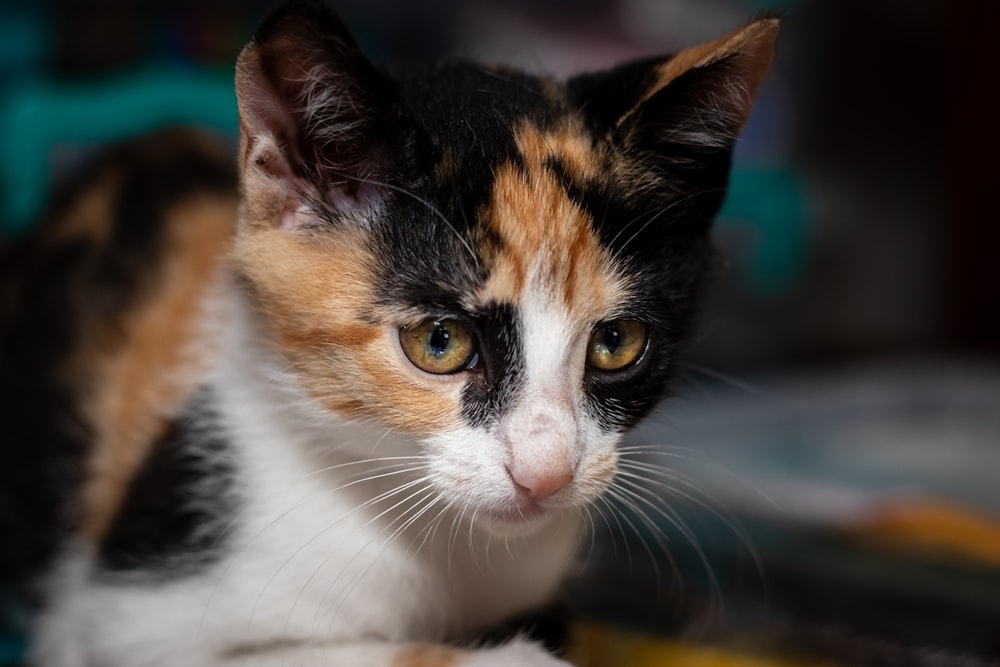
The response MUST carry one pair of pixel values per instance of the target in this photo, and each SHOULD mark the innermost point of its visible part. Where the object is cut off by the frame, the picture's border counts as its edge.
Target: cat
(276, 412)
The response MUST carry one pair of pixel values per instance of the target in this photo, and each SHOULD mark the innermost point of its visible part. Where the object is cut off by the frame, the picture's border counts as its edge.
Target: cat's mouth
(517, 515)
(521, 516)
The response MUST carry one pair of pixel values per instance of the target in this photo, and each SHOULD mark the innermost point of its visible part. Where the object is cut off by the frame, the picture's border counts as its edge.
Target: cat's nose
(540, 484)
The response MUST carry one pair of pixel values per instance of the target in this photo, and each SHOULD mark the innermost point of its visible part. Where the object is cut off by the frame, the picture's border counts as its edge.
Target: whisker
(643, 474)
(422, 505)
(430, 207)
(585, 512)
(277, 519)
(674, 204)
(322, 532)
(784, 401)
(619, 495)
(453, 539)
(427, 489)
(378, 442)
(607, 524)
(674, 519)
(698, 456)
(719, 512)
(366, 461)
(430, 530)
(621, 529)
(472, 541)
(367, 503)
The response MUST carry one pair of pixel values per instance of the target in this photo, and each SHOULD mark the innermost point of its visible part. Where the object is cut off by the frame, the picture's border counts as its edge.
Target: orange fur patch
(90, 217)
(547, 238)
(429, 655)
(316, 293)
(145, 377)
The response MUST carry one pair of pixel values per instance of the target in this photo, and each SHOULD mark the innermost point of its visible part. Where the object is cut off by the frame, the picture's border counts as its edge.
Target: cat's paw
(517, 653)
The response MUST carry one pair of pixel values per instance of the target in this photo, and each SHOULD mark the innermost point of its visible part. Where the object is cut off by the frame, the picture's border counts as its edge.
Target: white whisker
(621, 496)
(418, 508)
(318, 534)
(621, 529)
(784, 401)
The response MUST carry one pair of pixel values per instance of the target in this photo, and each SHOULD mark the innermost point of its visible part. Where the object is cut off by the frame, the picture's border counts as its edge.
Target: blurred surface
(849, 364)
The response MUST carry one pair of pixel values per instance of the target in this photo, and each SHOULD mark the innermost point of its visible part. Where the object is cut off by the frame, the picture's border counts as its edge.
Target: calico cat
(279, 418)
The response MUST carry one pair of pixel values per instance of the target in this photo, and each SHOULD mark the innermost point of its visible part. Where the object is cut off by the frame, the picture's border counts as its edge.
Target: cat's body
(364, 410)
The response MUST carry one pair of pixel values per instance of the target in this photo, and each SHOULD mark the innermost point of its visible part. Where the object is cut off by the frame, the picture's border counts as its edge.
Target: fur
(239, 463)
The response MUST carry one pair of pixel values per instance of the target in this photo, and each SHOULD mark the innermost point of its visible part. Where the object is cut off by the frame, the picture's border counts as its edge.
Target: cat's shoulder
(100, 305)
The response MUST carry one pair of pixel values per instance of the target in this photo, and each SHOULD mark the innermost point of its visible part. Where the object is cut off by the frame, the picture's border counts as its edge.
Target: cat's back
(99, 311)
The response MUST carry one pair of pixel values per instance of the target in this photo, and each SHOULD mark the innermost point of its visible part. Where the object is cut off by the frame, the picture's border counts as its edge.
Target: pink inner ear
(305, 136)
(356, 197)
(352, 202)
(272, 163)
(262, 111)
(294, 217)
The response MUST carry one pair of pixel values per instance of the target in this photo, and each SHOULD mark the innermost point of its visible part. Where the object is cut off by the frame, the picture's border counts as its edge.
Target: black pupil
(612, 338)
(439, 340)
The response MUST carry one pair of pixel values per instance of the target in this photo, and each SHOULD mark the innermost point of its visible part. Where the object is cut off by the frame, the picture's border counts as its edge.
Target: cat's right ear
(319, 125)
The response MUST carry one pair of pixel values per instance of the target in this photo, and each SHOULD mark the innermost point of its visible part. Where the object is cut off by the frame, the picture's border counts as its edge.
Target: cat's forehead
(474, 108)
(478, 120)
(548, 245)
(506, 148)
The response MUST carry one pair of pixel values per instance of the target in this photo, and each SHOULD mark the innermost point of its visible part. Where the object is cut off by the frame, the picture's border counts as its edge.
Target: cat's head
(499, 265)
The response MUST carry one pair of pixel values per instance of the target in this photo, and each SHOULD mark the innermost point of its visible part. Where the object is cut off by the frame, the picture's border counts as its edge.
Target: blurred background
(835, 443)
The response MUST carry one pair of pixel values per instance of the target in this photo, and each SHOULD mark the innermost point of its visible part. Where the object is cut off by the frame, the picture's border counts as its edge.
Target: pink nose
(539, 485)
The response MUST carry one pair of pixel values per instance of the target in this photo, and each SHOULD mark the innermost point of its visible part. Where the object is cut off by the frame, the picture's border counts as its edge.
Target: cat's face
(497, 265)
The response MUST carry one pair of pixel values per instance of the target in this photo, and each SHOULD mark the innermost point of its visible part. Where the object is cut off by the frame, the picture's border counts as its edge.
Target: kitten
(285, 427)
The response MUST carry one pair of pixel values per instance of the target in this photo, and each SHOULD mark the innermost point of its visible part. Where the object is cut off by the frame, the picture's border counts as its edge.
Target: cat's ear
(319, 124)
(678, 117)
(702, 96)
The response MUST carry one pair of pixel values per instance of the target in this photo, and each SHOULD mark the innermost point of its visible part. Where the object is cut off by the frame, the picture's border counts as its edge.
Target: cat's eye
(616, 345)
(439, 346)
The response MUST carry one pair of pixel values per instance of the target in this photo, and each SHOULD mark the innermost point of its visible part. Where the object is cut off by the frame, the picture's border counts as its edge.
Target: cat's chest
(327, 545)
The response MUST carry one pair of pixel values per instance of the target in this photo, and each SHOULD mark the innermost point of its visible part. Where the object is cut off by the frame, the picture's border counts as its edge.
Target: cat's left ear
(321, 129)
(678, 117)
(702, 96)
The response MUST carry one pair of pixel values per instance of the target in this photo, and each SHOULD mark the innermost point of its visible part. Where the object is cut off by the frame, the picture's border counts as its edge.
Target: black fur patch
(175, 510)
(493, 387)
(468, 113)
(45, 438)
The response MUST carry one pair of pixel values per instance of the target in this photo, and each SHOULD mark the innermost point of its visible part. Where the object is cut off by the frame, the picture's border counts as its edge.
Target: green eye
(438, 346)
(616, 344)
